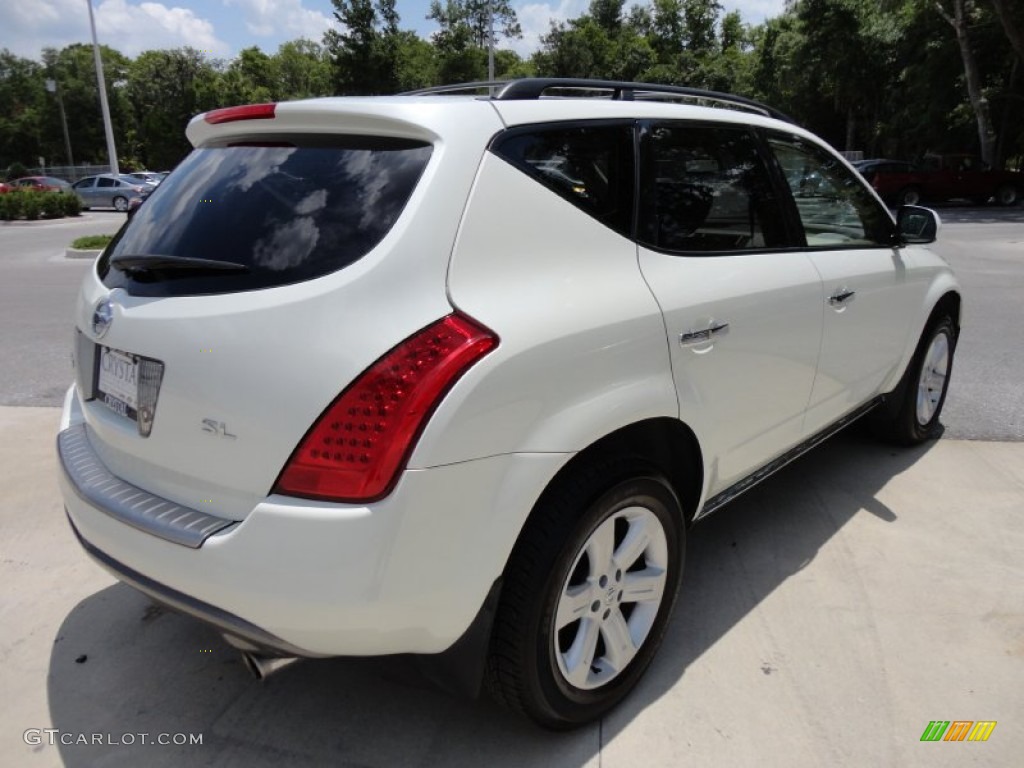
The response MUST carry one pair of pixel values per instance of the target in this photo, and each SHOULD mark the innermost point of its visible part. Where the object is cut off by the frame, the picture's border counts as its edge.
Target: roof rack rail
(528, 88)
(481, 85)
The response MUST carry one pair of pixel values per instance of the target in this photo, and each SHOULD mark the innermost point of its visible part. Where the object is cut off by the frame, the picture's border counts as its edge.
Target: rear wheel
(587, 595)
(121, 203)
(922, 392)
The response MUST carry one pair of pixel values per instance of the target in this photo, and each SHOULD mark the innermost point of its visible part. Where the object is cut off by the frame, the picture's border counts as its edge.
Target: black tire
(908, 196)
(121, 203)
(528, 654)
(1007, 194)
(901, 420)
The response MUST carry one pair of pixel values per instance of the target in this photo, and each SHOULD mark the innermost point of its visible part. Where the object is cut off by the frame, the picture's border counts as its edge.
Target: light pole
(52, 87)
(490, 42)
(102, 85)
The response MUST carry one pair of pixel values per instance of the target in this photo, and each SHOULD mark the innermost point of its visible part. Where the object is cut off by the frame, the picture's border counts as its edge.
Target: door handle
(690, 337)
(841, 296)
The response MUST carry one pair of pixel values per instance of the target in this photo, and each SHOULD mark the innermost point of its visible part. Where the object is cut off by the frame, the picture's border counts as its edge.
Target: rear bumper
(407, 574)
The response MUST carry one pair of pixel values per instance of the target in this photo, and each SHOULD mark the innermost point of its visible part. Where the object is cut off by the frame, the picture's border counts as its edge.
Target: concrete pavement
(827, 617)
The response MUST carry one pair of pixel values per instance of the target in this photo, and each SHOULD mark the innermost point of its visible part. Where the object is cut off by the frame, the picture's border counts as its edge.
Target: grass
(92, 242)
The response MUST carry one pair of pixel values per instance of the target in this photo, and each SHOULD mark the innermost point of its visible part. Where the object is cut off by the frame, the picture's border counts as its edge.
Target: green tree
(250, 78)
(23, 95)
(598, 44)
(302, 70)
(74, 70)
(367, 52)
(461, 44)
(167, 89)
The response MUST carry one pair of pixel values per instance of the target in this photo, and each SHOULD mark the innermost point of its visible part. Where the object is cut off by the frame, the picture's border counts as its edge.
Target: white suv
(452, 374)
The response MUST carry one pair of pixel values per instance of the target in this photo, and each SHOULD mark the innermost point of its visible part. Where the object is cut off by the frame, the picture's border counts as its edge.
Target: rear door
(742, 309)
(868, 300)
(106, 189)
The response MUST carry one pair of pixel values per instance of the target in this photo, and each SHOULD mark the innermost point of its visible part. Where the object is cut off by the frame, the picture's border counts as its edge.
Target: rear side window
(283, 213)
(705, 188)
(590, 165)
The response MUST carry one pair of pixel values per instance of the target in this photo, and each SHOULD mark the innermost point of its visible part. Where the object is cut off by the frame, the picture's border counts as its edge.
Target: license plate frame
(117, 381)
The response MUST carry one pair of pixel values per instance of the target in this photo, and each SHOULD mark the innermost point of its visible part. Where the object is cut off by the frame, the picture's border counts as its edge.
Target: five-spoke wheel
(588, 592)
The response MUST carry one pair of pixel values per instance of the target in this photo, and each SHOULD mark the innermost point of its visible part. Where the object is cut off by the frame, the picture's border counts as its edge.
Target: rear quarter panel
(582, 346)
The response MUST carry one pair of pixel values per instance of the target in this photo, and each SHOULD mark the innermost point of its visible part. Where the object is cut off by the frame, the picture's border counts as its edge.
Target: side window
(705, 188)
(103, 181)
(591, 166)
(835, 207)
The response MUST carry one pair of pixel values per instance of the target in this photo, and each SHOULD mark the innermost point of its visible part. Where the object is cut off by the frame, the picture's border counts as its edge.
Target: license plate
(118, 382)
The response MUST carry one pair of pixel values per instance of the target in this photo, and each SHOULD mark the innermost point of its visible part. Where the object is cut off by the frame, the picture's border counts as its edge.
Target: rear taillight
(359, 445)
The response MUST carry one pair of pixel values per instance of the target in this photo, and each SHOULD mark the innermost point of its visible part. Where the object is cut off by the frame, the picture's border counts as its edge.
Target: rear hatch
(286, 254)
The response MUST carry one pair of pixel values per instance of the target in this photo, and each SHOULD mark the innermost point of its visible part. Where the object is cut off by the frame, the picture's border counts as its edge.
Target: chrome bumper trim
(97, 486)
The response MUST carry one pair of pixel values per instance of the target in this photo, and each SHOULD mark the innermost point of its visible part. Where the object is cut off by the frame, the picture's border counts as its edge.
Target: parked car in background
(5, 187)
(42, 183)
(109, 191)
(889, 178)
(945, 177)
(149, 177)
(941, 177)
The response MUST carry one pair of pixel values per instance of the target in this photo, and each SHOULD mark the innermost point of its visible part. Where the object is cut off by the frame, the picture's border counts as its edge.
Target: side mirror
(916, 225)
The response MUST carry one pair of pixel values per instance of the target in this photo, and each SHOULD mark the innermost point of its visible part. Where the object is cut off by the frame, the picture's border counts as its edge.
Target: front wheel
(908, 196)
(922, 392)
(587, 596)
(121, 203)
(1006, 194)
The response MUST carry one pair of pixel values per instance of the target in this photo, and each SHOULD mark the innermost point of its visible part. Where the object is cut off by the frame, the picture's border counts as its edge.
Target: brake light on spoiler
(245, 112)
(358, 447)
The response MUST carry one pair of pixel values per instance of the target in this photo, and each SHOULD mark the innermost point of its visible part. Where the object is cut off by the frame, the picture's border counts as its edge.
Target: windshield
(286, 213)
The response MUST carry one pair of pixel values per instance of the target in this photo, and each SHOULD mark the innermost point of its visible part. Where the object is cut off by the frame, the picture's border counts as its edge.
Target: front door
(742, 310)
(867, 298)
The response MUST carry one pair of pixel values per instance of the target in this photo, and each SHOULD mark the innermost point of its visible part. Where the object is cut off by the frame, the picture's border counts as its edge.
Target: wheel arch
(667, 443)
(944, 297)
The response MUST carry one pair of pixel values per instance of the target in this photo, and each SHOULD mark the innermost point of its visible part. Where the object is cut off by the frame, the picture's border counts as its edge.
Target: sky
(224, 27)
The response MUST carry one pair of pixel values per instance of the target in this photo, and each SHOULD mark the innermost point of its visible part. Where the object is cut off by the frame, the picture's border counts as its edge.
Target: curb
(79, 253)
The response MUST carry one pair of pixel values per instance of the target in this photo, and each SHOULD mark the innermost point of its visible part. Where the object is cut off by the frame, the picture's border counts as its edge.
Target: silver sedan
(109, 191)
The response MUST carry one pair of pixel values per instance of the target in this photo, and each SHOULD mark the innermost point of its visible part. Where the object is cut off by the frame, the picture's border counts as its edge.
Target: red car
(42, 183)
(896, 181)
(5, 187)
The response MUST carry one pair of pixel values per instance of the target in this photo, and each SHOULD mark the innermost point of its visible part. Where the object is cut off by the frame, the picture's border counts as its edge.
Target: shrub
(72, 206)
(12, 202)
(92, 241)
(32, 204)
(52, 205)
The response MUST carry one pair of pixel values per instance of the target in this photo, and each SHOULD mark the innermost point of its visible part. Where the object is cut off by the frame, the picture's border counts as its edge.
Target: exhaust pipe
(261, 667)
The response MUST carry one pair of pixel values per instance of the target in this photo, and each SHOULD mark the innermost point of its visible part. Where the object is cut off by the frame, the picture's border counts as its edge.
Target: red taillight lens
(358, 446)
(246, 112)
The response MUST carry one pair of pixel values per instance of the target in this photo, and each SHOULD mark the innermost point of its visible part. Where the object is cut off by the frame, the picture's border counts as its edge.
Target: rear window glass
(283, 213)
